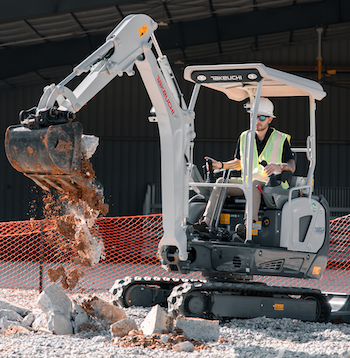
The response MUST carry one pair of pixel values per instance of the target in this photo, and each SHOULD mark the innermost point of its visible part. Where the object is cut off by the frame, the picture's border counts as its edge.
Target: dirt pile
(156, 341)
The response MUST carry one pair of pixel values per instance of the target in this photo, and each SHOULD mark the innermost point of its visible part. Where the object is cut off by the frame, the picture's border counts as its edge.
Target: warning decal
(225, 219)
(143, 30)
(316, 270)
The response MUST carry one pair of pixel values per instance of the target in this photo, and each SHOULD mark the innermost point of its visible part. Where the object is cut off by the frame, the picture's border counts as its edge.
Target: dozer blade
(50, 156)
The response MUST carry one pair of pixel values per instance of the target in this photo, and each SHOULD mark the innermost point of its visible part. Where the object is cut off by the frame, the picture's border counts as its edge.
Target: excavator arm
(47, 146)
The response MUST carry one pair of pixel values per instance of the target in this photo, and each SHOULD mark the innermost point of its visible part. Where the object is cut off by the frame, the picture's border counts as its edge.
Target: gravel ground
(259, 337)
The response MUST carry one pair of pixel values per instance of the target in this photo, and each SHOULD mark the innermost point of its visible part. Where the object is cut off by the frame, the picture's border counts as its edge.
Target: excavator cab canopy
(239, 81)
(253, 81)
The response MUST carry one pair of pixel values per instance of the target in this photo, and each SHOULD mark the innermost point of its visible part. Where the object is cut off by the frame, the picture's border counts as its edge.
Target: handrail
(299, 188)
(309, 155)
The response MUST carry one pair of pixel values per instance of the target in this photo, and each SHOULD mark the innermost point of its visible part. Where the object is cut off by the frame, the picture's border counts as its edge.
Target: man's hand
(216, 164)
(272, 168)
(234, 164)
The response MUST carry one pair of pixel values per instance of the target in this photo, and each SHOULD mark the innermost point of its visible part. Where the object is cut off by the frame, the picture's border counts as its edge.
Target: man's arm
(231, 164)
(272, 167)
(234, 164)
(288, 161)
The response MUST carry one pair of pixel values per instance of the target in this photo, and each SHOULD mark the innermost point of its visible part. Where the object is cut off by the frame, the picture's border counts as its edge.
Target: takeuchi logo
(227, 78)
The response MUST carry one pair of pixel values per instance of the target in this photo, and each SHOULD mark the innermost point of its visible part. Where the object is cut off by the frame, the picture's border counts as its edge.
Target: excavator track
(143, 291)
(223, 300)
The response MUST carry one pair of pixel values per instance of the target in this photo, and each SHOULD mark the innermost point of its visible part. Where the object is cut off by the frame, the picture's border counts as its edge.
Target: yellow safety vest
(272, 153)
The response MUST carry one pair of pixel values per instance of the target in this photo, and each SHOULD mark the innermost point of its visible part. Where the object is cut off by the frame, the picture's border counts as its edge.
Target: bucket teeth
(60, 182)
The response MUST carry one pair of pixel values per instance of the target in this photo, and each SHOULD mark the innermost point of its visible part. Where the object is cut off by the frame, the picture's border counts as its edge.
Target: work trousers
(209, 210)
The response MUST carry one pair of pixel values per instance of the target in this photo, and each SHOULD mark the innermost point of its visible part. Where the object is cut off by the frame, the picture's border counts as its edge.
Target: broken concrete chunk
(93, 249)
(157, 321)
(79, 316)
(40, 322)
(44, 330)
(28, 320)
(184, 347)
(123, 327)
(10, 306)
(5, 323)
(53, 299)
(11, 315)
(59, 324)
(89, 144)
(104, 310)
(198, 328)
(164, 338)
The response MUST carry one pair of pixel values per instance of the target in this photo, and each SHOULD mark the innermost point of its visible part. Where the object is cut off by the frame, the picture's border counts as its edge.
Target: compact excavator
(291, 237)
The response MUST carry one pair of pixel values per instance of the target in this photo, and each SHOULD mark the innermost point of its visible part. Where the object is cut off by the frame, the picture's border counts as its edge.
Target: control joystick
(272, 178)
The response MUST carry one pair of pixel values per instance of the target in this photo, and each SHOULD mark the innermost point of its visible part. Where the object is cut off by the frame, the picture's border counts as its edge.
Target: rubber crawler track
(177, 298)
(120, 287)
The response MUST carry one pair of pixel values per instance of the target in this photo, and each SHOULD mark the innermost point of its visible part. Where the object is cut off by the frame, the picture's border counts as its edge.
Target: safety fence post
(41, 258)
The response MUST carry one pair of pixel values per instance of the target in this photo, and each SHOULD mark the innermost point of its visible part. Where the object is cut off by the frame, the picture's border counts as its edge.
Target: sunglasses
(262, 118)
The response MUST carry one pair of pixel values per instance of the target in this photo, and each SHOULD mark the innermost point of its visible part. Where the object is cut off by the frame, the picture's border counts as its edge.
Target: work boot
(240, 231)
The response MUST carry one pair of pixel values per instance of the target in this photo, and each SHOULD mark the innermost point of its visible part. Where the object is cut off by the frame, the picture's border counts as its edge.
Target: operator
(271, 146)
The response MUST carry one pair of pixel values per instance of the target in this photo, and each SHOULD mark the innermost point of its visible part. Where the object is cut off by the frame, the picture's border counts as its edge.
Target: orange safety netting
(131, 243)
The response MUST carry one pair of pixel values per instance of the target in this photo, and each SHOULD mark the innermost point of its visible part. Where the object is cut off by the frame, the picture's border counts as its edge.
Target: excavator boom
(47, 146)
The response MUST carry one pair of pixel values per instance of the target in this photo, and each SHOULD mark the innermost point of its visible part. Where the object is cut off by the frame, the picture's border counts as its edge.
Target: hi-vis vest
(272, 153)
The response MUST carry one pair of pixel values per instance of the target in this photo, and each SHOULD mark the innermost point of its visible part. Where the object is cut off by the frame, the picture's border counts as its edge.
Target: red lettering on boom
(165, 95)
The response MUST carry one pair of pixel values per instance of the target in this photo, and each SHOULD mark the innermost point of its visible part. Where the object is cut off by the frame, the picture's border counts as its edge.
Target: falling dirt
(67, 282)
(73, 277)
(66, 226)
(73, 212)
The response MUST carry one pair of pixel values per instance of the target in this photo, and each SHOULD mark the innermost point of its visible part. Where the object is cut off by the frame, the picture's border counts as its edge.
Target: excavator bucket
(50, 156)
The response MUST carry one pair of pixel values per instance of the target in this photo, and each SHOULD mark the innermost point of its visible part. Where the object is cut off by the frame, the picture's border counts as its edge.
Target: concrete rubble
(103, 310)
(10, 315)
(5, 323)
(79, 316)
(57, 307)
(157, 321)
(40, 321)
(58, 314)
(28, 320)
(123, 327)
(197, 328)
(184, 347)
(9, 306)
(59, 324)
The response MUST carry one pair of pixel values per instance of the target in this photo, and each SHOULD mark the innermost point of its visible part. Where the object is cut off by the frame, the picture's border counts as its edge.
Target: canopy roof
(237, 81)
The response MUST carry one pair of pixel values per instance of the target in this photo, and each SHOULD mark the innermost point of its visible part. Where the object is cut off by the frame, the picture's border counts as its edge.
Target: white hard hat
(265, 107)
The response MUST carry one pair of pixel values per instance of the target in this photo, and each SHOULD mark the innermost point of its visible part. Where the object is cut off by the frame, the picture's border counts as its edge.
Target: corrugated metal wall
(128, 157)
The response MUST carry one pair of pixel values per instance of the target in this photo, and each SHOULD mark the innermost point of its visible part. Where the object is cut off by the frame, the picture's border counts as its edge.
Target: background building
(41, 44)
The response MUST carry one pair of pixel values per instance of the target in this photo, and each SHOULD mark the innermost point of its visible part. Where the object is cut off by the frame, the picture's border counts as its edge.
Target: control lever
(272, 178)
(210, 172)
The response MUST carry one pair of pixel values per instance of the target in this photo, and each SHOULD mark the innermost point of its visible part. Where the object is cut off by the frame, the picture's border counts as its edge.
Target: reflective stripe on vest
(272, 153)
